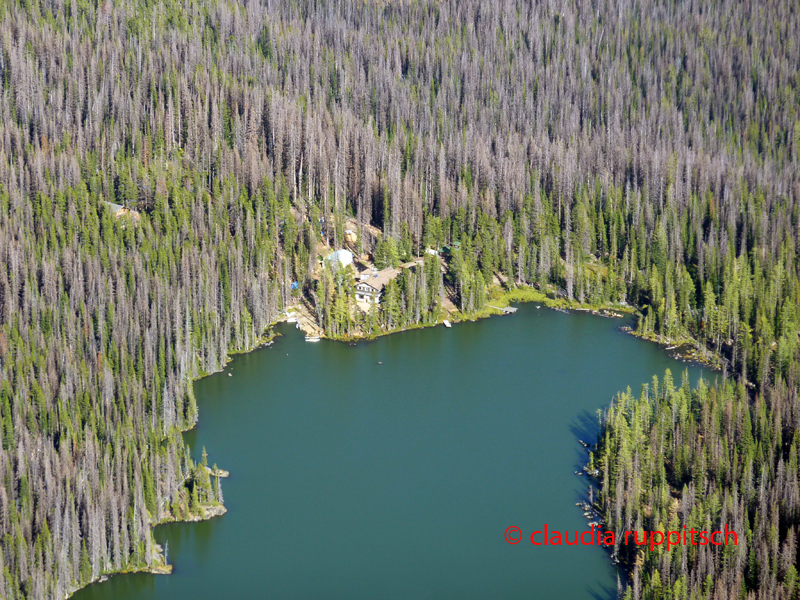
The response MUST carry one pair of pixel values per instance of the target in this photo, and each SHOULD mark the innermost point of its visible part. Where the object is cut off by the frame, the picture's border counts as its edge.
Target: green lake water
(352, 479)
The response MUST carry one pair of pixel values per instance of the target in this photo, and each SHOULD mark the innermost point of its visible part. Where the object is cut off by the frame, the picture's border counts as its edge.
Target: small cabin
(120, 211)
(115, 208)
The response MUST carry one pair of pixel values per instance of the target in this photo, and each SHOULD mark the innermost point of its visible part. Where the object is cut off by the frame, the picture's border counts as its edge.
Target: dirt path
(306, 320)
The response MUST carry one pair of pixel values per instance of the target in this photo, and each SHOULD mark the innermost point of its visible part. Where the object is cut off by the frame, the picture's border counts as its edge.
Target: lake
(354, 479)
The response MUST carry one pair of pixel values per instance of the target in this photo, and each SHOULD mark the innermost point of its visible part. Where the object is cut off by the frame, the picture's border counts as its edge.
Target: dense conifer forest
(705, 459)
(644, 153)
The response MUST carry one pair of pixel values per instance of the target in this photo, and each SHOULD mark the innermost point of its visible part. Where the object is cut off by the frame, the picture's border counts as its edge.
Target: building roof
(343, 257)
(120, 211)
(379, 279)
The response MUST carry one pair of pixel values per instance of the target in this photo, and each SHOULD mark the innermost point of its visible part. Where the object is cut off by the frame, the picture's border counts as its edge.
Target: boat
(446, 323)
(312, 338)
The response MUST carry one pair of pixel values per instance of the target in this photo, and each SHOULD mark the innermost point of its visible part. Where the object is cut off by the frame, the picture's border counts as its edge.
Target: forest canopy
(644, 153)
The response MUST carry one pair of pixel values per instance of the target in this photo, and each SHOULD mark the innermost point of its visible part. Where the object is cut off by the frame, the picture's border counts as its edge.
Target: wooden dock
(509, 310)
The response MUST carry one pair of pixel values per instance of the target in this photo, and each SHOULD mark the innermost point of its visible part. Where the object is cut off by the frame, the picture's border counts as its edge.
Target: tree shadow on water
(584, 428)
(602, 592)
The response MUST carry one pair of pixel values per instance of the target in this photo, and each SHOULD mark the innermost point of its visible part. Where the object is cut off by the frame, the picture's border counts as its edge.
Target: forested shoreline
(641, 153)
(704, 458)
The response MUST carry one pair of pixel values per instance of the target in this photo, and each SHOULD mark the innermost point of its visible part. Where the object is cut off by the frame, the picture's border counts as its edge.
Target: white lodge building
(370, 286)
(366, 293)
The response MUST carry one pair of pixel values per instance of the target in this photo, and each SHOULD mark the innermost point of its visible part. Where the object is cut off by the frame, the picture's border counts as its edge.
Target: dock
(509, 310)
